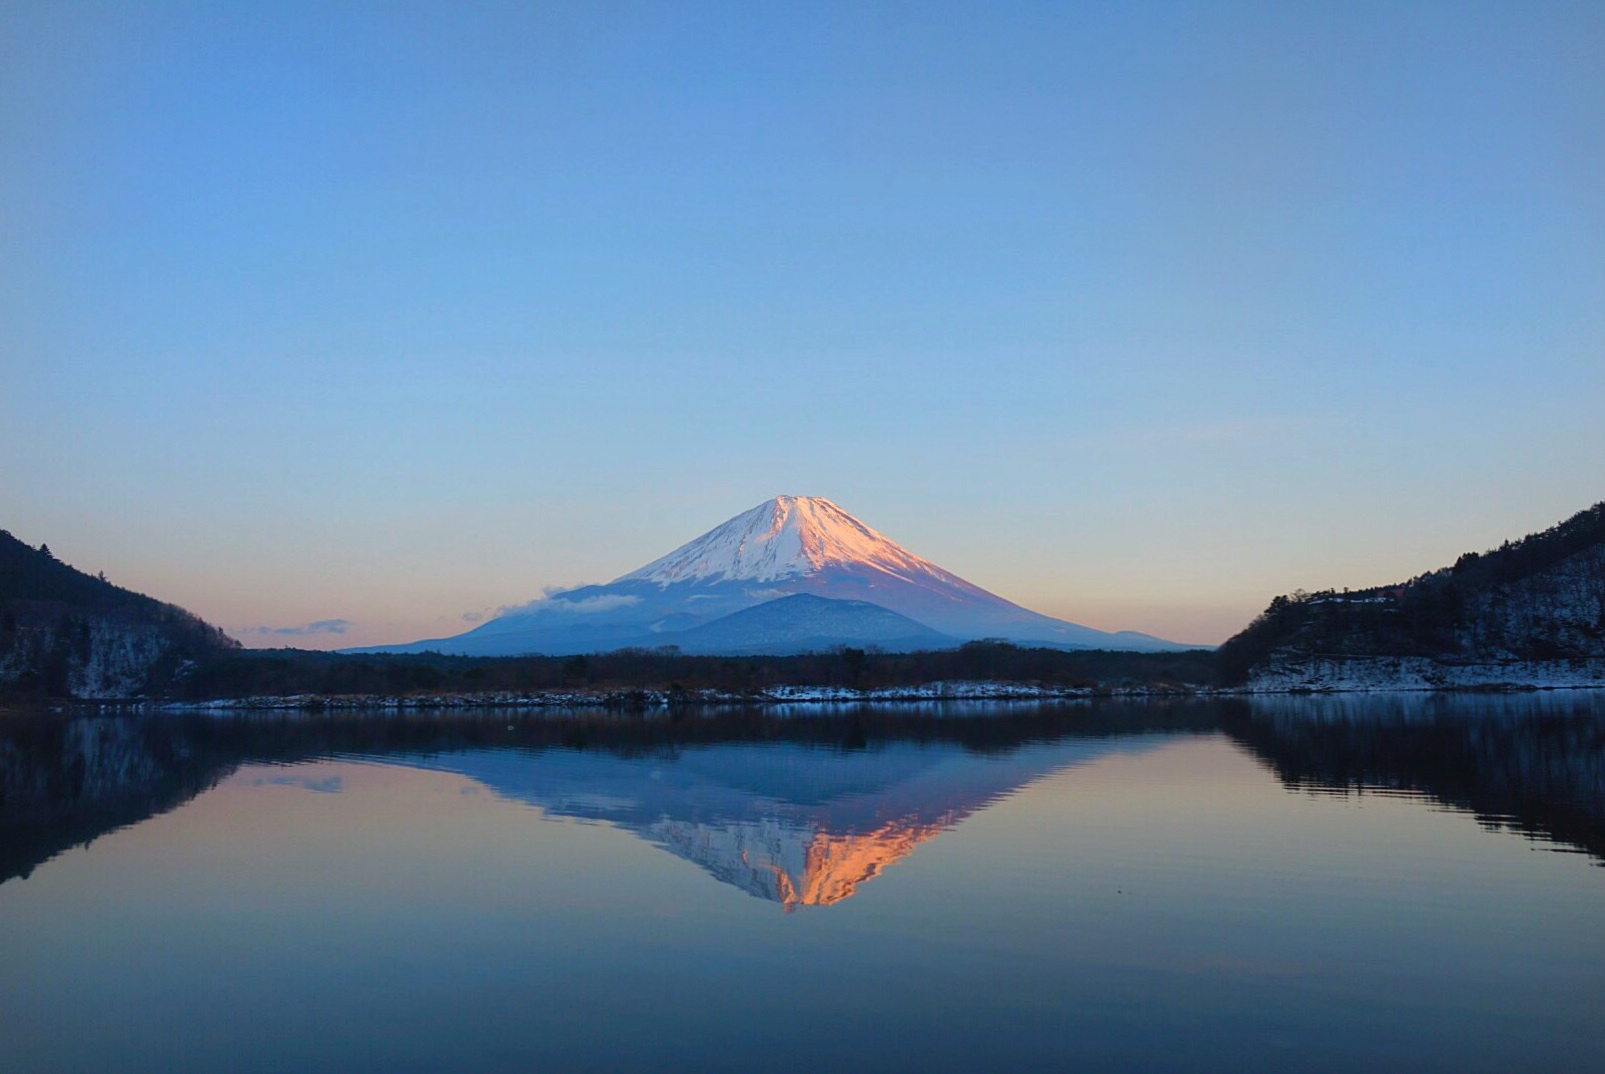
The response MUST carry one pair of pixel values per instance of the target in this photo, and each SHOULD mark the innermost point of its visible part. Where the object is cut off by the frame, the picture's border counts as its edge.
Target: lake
(1405, 882)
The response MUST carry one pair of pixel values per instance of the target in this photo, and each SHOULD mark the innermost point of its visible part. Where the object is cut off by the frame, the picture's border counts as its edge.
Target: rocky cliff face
(63, 651)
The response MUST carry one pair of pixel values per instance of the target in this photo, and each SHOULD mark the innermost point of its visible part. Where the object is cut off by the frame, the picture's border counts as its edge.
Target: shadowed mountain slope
(806, 623)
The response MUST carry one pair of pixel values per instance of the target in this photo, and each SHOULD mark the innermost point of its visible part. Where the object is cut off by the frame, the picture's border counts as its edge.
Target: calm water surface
(1407, 884)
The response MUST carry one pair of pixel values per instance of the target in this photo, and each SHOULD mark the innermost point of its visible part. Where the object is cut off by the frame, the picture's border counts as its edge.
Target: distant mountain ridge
(1516, 613)
(783, 547)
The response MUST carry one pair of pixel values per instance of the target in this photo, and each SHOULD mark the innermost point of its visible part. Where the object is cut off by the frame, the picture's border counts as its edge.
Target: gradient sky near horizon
(348, 323)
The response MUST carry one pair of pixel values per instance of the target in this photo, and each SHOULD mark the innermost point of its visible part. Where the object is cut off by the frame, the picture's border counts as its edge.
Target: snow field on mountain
(782, 538)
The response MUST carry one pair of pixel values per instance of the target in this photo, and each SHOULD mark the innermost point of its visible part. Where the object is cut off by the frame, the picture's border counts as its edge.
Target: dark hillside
(67, 633)
(284, 672)
(28, 573)
(1541, 598)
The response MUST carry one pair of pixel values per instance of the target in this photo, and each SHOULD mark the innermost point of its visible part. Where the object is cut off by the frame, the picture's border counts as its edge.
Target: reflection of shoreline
(804, 810)
(65, 783)
(67, 779)
(1531, 763)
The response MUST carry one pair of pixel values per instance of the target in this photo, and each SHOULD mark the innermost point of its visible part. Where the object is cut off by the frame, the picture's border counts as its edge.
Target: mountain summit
(782, 538)
(784, 547)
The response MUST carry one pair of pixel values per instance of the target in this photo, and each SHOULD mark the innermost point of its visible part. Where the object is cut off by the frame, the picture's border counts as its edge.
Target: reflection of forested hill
(803, 809)
(1534, 763)
(65, 781)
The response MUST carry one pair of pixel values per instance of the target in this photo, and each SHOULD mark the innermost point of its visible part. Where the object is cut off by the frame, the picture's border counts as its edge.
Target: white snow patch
(1379, 673)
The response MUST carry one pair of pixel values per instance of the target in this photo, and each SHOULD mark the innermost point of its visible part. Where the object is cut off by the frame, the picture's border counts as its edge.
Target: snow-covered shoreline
(1323, 676)
(651, 699)
(1409, 673)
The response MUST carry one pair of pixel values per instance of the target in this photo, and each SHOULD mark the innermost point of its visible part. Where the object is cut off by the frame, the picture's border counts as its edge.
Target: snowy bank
(1364, 674)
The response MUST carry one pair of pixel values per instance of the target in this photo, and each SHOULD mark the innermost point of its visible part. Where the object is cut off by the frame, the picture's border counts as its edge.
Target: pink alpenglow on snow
(782, 538)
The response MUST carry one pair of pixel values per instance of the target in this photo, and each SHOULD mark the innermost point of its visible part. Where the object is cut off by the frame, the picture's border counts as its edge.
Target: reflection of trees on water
(66, 780)
(1531, 763)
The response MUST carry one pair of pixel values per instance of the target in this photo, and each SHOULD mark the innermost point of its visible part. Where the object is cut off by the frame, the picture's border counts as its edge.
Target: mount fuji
(727, 592)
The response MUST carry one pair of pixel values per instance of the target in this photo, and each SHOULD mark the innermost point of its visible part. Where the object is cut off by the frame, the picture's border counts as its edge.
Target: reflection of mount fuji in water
(804, 809)
(803, 826)
(800, 809)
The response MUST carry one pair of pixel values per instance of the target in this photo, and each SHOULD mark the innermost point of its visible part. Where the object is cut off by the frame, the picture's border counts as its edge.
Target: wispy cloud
(321, 626)
(555, 604)
(605, 602)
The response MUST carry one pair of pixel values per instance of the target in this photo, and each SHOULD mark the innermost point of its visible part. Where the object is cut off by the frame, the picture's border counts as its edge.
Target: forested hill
(28, 573)
(64, 632)
(1541, 598)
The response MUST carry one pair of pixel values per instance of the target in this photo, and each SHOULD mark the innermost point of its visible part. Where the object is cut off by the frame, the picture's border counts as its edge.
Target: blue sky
(381, 315)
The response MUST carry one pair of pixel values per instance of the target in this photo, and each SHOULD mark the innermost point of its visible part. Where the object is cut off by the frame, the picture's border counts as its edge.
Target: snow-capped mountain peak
(865, 589)
(783, 538)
